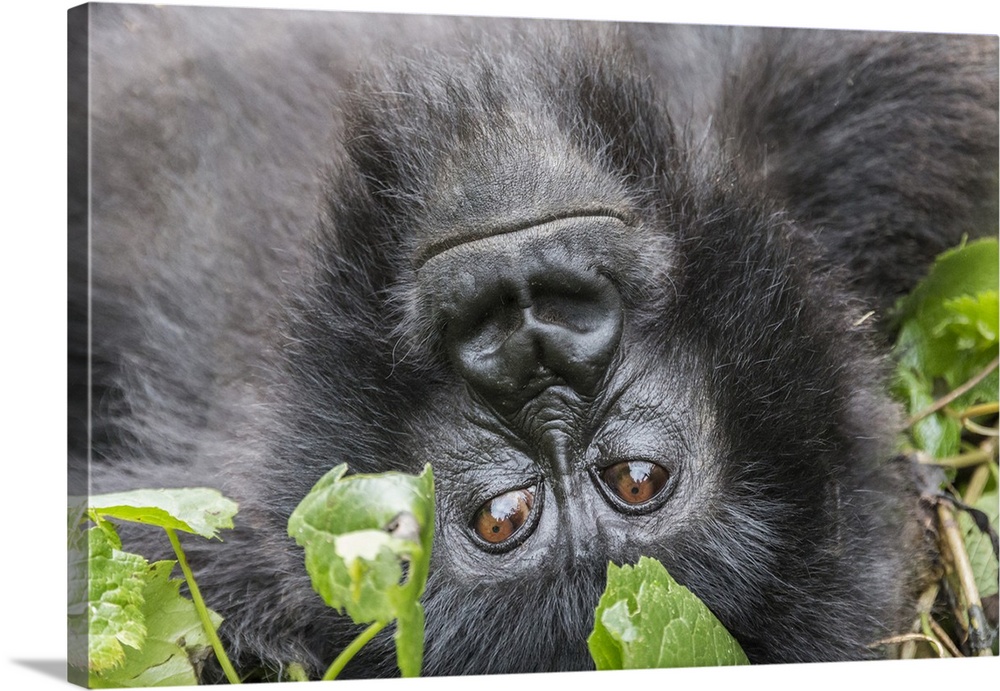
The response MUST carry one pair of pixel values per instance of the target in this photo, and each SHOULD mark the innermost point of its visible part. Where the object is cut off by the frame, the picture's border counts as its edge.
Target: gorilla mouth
(431, 249)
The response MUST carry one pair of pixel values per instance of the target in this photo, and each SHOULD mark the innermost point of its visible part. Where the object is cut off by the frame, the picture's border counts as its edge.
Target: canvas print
(424, 345)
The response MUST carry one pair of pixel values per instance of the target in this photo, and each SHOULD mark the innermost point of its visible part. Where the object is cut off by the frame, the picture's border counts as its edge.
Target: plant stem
(982, 409)
(350, 651)
(977, 483)
(964, 460)
(909, 638)
(199, 605)
(953, 550)
(945, 400)
(925, 603)
(943, 638)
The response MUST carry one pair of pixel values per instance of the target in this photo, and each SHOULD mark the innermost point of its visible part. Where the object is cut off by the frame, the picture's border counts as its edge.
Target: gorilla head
(608, 336)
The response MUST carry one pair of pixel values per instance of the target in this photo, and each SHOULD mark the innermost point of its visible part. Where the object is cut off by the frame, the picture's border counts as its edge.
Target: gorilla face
(602, 359)
(610, 338)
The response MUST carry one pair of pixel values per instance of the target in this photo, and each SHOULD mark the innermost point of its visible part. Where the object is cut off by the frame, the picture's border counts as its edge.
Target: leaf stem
(964, 460)
(945, 400)
(991, 408)
(977, 483)
(943, 638)
(981, 430)
(199, 605)
(350, 651)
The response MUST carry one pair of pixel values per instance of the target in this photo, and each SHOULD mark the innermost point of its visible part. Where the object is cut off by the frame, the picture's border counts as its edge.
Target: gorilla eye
(635, 482)
(504, 516)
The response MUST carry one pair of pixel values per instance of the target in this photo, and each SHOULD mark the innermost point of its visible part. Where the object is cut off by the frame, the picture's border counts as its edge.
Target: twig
(925, 603)
(953, 546)
(977, 483)
(911, 638)
(941, 636)
(945, 400)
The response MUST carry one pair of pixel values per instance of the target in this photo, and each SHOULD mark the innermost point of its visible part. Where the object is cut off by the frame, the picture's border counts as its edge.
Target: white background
(33, 336)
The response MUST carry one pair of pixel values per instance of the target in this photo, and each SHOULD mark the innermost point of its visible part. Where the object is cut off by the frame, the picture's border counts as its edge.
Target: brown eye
(502, 516)
(635, 482)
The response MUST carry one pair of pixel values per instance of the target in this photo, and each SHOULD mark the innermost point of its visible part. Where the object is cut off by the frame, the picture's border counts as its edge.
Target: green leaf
(979, 546)
(175, 640)
(972, 320)
(612, 631)
(197, 510)
(645, 619)
(965, 341)
(115, 599)
(358, 532)
(939, 435)
(948, 333)
(78, 548)
(967, 270)
(78, 589)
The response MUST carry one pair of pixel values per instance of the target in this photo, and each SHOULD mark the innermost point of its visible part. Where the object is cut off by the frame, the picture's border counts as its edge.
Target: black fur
(243, 340)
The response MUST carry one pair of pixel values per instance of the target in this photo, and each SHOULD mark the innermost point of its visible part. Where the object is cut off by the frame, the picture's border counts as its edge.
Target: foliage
(367, 538)
(197, 510)
(946, 376)
(362, 534)
(646, 619)
(948, 333)
(140, 630)
(174, 644)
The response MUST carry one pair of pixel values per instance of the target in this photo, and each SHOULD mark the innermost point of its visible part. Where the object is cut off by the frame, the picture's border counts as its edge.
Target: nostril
(561, 324)
(571, 312)
(487, 328)
(581, 303)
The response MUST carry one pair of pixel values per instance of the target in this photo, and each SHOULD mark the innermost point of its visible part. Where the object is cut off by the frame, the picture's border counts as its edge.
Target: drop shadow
(50, 668)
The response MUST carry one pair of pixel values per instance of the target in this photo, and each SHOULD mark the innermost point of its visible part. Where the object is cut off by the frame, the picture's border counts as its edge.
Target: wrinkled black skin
(750, 195)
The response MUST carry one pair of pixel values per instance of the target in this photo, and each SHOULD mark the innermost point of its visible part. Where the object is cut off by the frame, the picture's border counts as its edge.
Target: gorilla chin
(606, 279)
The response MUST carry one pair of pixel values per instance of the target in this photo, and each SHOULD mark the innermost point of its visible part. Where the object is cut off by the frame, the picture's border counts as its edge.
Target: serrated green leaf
(198, 510)
(174, 641)
(948, 330)
(645, 619)
(963, 343)
(77, 548)
(979, 545)
(604, 647)
(358, 532)
(114, 600)
(972, 321)
(78, 585)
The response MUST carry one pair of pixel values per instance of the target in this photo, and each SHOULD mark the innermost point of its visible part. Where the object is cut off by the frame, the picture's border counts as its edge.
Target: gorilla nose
(530, 326)
(526, 310)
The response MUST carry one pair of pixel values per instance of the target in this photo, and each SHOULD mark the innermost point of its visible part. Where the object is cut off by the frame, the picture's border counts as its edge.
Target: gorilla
(625, 287)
